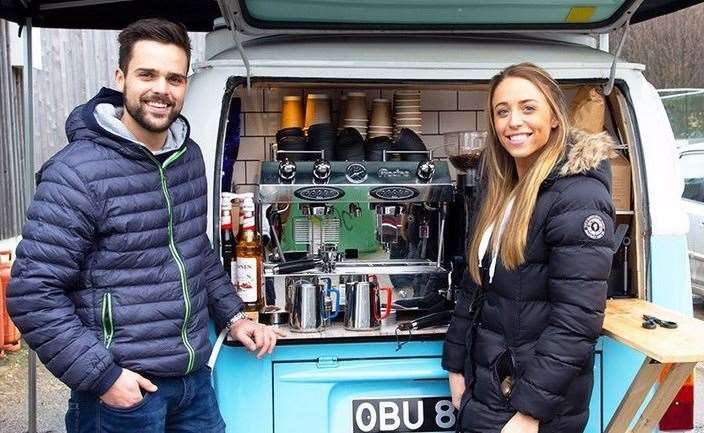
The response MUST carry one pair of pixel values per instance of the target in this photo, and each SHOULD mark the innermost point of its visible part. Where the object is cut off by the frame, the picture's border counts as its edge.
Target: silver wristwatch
(237, 317)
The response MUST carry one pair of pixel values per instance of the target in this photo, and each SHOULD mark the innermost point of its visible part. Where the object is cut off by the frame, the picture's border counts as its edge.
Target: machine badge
(319, 193)
(594, 227)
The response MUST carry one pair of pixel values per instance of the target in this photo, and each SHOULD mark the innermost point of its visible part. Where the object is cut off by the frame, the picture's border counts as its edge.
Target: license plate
(420, 415)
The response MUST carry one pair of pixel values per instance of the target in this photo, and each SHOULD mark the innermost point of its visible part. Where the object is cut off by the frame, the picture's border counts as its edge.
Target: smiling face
(154, 86)
(523, 120)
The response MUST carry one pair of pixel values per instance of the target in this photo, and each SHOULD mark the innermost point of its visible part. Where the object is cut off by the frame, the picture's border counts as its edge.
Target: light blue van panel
(620, 365)
(670, 273)
(309, 388)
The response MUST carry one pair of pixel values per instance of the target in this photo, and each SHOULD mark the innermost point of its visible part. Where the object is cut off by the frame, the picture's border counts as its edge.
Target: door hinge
(327, 362)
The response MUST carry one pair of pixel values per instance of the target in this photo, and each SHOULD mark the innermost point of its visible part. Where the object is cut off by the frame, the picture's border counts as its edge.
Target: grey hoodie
(110, 118)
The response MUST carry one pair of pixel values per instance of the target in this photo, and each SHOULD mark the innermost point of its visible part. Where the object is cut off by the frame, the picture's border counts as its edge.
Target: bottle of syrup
(249, 254)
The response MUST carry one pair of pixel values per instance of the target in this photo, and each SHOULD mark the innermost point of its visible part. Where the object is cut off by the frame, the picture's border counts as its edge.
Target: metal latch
(327, 362)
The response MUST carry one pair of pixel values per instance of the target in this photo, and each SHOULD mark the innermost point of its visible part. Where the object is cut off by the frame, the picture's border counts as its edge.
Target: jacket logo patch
(594, 227)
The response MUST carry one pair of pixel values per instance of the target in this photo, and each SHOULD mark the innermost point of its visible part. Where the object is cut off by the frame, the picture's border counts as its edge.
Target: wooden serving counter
(680, 349)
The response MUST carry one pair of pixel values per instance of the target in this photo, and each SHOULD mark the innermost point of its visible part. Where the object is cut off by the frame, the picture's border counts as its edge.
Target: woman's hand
(456, 388)
(521, 423)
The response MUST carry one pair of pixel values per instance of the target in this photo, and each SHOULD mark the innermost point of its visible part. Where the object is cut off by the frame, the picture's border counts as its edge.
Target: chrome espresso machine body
(381, 225)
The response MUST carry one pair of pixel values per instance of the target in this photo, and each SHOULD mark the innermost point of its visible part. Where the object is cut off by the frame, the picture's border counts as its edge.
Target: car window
(692, 167)
(685, 109)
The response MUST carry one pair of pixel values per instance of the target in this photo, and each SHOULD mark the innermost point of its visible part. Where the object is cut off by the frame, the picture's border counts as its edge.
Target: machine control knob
(425, 170)
(321, 171)
(287, 170)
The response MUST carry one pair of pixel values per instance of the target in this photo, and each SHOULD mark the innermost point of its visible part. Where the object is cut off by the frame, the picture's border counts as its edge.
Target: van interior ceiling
(445, 107)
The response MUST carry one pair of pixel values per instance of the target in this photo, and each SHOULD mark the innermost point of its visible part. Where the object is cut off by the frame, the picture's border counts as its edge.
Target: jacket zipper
(106, 317)
(177, 257)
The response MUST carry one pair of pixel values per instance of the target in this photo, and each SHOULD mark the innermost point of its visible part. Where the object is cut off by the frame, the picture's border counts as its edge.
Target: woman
(520, 347)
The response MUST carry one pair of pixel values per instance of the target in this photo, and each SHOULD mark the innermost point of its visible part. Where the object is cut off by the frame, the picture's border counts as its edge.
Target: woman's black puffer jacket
(539, 323)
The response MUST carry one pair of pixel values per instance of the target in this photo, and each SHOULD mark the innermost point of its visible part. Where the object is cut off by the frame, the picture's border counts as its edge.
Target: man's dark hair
(152, 29)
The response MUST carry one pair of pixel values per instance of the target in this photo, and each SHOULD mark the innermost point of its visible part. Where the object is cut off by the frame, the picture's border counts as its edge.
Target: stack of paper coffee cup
(292, 112)
(407, 111)
(381, 125)
(317, 109)
(355, 114)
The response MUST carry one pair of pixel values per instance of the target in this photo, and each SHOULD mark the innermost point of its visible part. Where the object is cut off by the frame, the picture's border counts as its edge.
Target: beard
(137, 108)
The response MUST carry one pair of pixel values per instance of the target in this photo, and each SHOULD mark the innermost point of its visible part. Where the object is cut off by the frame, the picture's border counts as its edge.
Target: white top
(486, 236)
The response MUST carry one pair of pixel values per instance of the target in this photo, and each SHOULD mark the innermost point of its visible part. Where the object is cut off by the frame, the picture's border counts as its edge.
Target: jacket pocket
(504, 372)
(107, 320)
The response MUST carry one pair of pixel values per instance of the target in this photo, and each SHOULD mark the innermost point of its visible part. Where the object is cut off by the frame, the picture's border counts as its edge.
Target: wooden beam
(663, 397)
(640, 387)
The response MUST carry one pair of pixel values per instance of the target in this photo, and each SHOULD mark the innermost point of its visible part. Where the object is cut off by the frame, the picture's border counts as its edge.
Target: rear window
(425, 12)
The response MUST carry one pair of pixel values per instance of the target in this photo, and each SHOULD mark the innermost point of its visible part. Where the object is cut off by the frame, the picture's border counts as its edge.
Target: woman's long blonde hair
(499, 169)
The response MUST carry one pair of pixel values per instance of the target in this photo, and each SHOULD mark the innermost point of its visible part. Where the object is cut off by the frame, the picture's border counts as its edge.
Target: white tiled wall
(442, 111)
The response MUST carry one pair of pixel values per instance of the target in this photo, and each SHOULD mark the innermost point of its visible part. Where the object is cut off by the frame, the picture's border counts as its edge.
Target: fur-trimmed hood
(586, 154)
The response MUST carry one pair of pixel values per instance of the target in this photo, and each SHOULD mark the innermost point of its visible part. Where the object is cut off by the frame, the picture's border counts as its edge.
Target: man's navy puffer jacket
(115, 268)
(540, 322)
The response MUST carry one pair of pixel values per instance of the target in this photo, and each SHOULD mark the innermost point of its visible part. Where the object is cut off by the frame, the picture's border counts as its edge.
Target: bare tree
(671, 47)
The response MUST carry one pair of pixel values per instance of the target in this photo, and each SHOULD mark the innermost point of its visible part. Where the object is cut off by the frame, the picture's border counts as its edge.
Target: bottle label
(233, 272)
(247, 279)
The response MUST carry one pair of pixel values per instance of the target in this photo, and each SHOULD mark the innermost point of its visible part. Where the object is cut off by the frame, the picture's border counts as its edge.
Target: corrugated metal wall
(12, 152)
(75, 65)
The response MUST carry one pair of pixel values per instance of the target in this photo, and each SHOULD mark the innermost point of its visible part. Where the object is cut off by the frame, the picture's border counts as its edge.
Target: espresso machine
(366, 230)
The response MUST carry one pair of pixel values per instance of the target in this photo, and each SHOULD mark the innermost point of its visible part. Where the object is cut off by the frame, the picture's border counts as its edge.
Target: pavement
(52, 396)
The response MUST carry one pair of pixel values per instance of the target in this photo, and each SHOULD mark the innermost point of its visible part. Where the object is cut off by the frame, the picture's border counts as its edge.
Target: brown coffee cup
(381, 113)
(317, 109)
(292, 112)
(356, 106)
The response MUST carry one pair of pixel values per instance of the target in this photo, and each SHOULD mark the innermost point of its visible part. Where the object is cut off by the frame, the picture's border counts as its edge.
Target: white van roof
(393, 57)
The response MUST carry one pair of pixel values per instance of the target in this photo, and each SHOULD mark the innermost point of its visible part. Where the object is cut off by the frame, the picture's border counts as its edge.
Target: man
(115, 276)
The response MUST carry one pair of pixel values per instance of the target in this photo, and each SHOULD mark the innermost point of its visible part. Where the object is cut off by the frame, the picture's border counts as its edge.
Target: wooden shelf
(625, 212)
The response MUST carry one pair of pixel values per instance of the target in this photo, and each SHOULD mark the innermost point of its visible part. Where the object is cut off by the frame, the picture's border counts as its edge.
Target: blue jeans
(184, 404)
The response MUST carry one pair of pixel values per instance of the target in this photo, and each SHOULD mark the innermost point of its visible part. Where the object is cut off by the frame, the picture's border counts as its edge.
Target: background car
(692, 167)
(685, 109)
